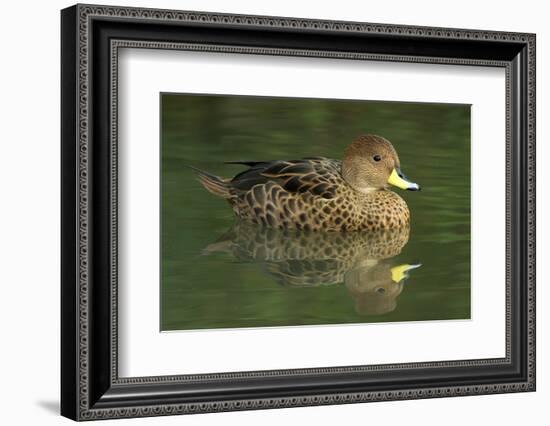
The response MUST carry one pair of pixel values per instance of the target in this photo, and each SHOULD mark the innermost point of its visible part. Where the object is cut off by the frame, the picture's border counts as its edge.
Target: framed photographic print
(263, 212)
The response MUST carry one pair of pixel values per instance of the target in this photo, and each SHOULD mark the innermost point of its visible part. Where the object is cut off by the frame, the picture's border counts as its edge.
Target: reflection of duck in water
(375, 288)
(320, 193)
(359, 260)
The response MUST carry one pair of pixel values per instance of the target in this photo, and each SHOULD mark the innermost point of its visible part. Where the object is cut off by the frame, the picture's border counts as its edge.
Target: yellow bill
(397, 178)
(399, 273)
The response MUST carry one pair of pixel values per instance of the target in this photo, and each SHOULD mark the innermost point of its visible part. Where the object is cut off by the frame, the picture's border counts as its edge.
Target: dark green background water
(221, 289)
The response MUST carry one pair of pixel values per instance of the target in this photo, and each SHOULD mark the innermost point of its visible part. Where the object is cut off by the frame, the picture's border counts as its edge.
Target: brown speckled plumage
(318, 193)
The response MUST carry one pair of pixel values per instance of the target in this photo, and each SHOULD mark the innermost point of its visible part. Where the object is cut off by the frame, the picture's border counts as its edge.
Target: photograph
(270, 208)
(283, 212)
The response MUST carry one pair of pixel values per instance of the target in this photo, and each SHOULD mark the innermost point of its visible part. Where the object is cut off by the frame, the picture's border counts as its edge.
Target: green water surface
(217, 273)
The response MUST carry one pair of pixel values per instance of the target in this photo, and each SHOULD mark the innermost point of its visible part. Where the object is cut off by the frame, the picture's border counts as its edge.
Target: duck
(319, 193)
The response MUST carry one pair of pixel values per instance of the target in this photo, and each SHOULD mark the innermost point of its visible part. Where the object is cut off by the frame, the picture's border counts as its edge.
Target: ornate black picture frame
(91, 36)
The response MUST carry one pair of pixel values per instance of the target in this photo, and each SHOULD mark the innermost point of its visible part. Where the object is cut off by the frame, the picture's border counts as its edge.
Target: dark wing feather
(248, 178)
(276, 168)
(316, 175)
(294, 184)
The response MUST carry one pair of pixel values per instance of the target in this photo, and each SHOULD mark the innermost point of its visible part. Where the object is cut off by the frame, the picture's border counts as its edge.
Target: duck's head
(371, 163)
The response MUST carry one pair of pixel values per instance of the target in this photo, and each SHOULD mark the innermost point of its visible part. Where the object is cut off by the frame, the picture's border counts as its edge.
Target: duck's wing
(317, 175)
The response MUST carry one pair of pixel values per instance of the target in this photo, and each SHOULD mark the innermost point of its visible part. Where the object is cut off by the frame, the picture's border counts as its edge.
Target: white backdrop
(146, 352)
(29, 229)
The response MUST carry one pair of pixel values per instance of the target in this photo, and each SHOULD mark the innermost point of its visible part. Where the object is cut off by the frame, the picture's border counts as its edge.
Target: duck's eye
(376, 157)
(380, 290)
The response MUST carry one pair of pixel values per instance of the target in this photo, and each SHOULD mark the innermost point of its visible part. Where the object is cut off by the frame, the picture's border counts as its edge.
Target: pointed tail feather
(213, 184)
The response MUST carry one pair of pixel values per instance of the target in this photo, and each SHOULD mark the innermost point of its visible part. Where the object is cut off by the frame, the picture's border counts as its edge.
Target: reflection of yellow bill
(398, 179)
(399, 273)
